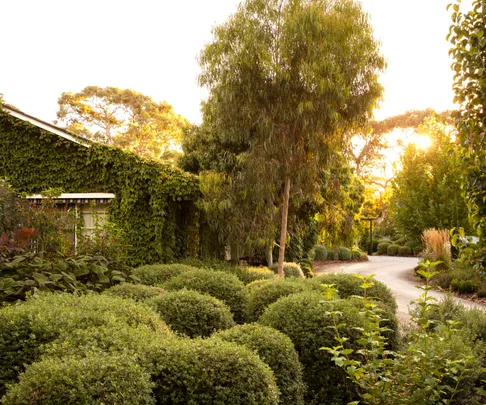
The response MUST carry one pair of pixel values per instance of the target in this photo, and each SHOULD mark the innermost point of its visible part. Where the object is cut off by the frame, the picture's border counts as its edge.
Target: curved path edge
(396, 273)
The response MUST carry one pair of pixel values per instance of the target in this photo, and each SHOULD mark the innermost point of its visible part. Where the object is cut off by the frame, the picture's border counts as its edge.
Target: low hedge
(305, 318)
(156, 274)
(382, 248)
(348, 285)
(332, 254)
(344, 254)
(191, 313)
(404, 251)
(320, 253)
(137, 292)
(223, 286)
(290, 270)
(94, 379)
(27, 326)
(209, 372)
(250, 274)
(264, 294)
(392, 250)
(276, 350)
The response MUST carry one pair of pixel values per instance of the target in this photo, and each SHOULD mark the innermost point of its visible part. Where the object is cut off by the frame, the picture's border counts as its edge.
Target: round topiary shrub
(348, 285)
(320, 253)
(94, 379)
(223, 286)
(382, 248)
(112, 338)
(290, 270)
(191, 313)
(417, 250)
(306, 266)
(25, 327)
(355, 255)
(344, 254)
(305, 318)
(404, 251)
(155, 274)
(392, 250)
(137, 292)
(209, 372)
(264, 294)
(250, 274)
(276, 350)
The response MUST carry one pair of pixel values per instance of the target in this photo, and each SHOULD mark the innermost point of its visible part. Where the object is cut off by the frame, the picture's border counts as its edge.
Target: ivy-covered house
(152, 202)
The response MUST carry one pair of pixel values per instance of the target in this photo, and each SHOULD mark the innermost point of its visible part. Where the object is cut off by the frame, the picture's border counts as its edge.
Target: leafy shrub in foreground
(348, 285)
(290, 270)
(276, 350)
(26, 326)
(155, 274)
(320, 253)
(383, 248)
(392, 250)
(264, 294)
(433, 366)
(220, 285)
(95, 379)
(191, 313)
(305, 319)
(137, 292)
(209, 372)
(344, 254)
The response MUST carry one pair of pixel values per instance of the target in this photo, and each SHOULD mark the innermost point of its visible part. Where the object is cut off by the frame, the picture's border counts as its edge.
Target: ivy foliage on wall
(154, 204)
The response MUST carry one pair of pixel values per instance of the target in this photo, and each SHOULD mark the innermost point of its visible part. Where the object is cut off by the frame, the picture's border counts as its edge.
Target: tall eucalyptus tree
(291, 78)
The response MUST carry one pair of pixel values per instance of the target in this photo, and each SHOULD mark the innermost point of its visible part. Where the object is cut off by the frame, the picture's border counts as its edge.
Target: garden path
(397, 274)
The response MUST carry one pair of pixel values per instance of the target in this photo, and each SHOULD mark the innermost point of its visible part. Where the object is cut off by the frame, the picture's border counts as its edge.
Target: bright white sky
(52, 46)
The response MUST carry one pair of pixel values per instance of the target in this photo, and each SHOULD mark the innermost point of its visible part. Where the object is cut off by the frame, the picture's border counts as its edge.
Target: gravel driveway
(396, 273)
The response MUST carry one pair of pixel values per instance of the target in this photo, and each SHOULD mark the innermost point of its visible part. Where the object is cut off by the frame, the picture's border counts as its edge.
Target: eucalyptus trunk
(283, 231)
(234, 252)
(269, 254)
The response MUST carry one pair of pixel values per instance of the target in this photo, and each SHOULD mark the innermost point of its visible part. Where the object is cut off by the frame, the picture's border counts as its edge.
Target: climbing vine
(154, 203)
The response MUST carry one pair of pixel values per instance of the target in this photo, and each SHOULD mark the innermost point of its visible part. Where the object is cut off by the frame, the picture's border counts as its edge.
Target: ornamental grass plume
(437, 246)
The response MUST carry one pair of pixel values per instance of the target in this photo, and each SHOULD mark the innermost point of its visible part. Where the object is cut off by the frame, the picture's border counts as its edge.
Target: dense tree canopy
(125, 118)
(468, 39)
(427, 189)
(290, 78)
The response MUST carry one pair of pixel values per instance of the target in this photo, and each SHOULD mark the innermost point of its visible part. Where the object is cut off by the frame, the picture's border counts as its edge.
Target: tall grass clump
(437, 246)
